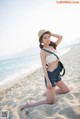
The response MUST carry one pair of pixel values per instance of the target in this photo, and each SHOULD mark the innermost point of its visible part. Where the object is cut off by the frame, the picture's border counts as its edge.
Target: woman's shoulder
(42, 52)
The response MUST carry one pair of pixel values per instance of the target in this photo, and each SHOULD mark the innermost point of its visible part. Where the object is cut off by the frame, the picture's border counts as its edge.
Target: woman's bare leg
(63, 87)
(49, 100)
(58, 91)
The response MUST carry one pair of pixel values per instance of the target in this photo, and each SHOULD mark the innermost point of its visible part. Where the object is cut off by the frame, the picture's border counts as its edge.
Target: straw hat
(41, 32)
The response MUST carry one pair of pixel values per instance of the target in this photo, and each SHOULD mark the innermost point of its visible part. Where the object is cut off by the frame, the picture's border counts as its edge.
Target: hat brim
(46, 32)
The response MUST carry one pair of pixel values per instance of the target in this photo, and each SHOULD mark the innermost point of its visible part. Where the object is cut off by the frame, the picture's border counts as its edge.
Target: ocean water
(16, 66)
(23, 63)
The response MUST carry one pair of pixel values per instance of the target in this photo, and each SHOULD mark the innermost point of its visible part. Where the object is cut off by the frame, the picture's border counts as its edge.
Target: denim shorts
(54, 76)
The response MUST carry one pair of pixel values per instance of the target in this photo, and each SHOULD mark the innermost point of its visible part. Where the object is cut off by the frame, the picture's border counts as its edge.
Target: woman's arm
(60, 37)
(43, 61)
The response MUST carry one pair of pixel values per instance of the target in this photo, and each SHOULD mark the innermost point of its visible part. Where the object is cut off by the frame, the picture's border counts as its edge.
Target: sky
(21, 20)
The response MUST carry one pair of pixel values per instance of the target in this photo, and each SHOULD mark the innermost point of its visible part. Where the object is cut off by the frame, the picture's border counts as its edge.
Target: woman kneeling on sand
(52, 76)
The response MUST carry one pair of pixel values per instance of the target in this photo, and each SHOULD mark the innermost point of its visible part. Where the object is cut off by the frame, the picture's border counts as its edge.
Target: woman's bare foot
(24, 106)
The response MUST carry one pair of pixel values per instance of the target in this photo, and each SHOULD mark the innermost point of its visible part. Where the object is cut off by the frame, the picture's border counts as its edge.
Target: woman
(51, 72)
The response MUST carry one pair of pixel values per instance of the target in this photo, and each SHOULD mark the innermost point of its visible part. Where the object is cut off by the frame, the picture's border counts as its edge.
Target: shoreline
(11, 83)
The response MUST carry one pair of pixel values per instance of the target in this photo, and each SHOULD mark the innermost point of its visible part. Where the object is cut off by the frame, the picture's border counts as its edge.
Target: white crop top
(50, 58)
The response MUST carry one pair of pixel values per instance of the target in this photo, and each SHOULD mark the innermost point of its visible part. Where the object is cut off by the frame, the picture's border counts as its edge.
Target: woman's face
(46, 39)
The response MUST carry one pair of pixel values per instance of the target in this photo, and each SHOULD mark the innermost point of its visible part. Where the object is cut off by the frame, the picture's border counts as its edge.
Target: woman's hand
(49, 85)
(51, 34)
(60, 37)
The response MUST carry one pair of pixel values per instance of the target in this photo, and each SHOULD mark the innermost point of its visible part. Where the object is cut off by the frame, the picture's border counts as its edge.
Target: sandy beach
(31, 88)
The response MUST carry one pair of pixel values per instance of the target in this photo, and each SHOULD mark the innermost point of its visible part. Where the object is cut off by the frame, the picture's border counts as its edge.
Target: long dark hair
(51, 43)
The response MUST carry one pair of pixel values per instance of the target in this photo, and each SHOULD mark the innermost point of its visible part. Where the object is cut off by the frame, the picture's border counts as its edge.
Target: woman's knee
(50, 101)
(63, 87)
